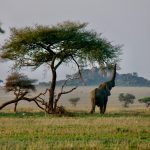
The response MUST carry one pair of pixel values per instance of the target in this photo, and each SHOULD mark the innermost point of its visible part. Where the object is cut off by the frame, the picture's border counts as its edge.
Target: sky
(124, 22)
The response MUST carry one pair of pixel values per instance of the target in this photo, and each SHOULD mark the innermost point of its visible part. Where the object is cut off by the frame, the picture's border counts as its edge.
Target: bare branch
(13, 101)
(46, 47)
(9, 102)
(38, 105)
(67, 81)
(41, 100)
(63, 92)
(66, 92)
(79, 70)
(40, 94)
(22, 97)
(59, 63)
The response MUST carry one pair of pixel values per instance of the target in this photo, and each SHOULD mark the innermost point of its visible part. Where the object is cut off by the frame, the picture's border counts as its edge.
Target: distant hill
(94, 77)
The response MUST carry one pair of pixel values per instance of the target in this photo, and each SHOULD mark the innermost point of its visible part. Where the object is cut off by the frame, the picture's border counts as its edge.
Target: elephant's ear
(103, 85)
(107, 91)
(104, 89)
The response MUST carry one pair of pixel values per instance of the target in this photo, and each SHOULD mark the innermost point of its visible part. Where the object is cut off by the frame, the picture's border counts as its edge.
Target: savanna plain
(118, 129)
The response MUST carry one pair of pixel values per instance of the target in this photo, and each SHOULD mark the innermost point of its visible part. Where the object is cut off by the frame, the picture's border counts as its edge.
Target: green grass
(76, 130)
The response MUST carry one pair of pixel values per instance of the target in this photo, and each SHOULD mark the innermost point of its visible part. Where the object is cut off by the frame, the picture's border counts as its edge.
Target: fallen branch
(13, 101)
(34, 99)
(9, 102)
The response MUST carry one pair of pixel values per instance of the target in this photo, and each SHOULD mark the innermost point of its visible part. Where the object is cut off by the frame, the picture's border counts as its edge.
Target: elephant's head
(110, 84)
(104, 88)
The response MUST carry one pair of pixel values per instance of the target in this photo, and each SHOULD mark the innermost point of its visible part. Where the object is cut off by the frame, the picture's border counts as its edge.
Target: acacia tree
(126, 99)
(74, 101)
(145, 100)
(57, 45)
(20, 85)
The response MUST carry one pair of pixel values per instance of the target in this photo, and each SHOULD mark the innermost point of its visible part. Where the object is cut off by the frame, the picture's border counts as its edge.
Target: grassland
(76, 130)
(117, 129)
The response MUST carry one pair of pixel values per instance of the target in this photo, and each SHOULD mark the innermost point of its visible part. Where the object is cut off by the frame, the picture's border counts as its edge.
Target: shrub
(126, 99)
(74, 101)
(145, 100)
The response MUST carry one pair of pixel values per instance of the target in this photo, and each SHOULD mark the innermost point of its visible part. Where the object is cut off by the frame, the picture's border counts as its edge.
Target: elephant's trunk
(114, 74)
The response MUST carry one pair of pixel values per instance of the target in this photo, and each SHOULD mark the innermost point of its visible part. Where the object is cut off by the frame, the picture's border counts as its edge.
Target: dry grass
(114, 130)
(118, 129)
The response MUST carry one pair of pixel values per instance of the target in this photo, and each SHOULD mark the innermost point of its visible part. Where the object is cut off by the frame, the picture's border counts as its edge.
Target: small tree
(126, 99)
(20, 85)
(57, 45)
(145, 100)
(74, 101)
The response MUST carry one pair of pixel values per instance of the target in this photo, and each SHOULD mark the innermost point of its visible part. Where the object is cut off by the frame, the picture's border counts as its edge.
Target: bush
(74, 101)
(145, 100)
(126, 99)
(60, 110)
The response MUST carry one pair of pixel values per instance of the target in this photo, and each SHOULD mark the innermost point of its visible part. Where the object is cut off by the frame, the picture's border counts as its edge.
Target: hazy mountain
(95, 77)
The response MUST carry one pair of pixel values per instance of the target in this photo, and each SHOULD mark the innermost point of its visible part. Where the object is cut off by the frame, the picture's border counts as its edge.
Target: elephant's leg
(93, 106)
(101, 109)
(102, 105)
(105, 104)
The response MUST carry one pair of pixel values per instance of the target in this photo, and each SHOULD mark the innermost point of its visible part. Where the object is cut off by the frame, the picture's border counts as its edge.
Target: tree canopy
(145, 100)
(19, 83)
(66, 42)
(126, 99)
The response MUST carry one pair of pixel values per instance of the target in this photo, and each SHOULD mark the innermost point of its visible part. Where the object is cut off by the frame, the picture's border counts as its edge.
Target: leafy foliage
(19, 82)
(34, 46)
(126, 99)
(20, 85)
(145, 100)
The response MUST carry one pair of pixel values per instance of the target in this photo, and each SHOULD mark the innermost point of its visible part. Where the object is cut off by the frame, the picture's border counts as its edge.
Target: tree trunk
(15, 108)
(56, 101)
(52, 92)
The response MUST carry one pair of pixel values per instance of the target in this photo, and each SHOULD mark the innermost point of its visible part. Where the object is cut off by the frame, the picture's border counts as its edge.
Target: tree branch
(66, 92)
(22, 97)
(9, 102)
(59, 63)
(63, 92)
(38, 105)
(46, 47)
(40, 94)
(80, 74)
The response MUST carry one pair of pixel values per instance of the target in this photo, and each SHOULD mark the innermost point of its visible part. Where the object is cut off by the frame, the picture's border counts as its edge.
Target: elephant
(99, 96)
